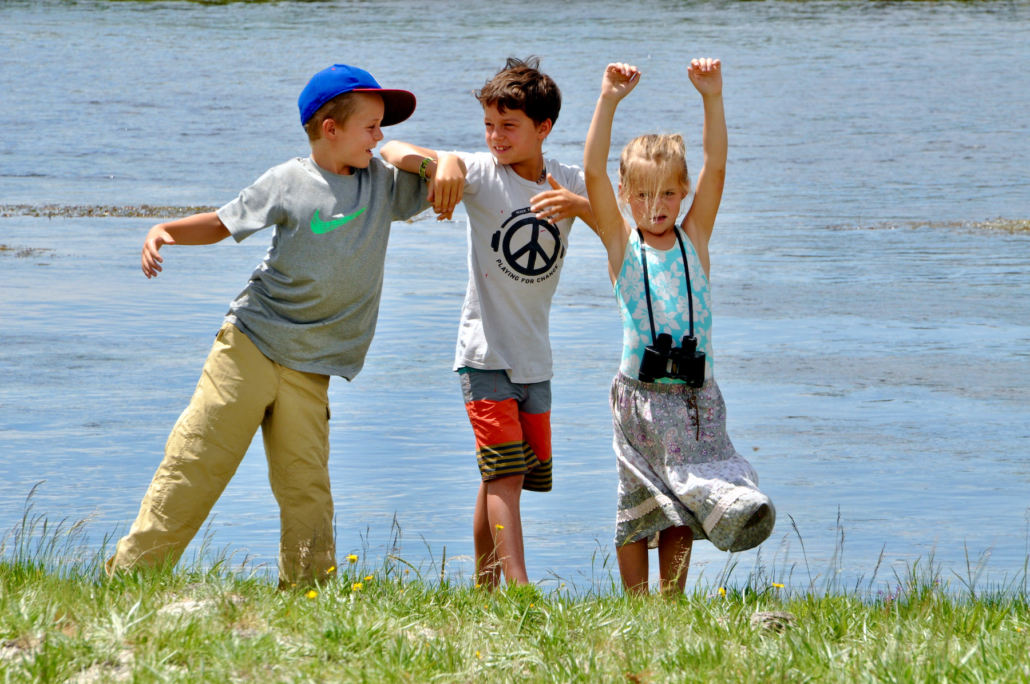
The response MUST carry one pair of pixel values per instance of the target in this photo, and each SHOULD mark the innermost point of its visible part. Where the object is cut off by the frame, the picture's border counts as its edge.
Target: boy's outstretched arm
(446, 173)
(618, 81)
(199, 229)
(560, 203)
(706, 75)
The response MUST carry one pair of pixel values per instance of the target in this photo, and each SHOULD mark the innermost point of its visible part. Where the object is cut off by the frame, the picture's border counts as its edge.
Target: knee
(505, 486)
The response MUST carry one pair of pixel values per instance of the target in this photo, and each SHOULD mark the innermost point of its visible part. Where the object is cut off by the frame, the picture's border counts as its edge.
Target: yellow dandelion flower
(722, 591)
(312, 594)
(778, 586)
(478, 585)
(352, 558)
(406, 571)
(357, 586)
(530, 605)
(500, 527)
(479, 656)
(332, 569)
(368, 578)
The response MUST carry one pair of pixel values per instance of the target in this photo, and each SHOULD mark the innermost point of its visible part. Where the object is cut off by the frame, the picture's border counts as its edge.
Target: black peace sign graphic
(528, 257)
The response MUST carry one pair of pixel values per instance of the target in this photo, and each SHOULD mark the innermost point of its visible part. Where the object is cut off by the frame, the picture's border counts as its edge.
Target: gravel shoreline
(99, 211)
(172, 212)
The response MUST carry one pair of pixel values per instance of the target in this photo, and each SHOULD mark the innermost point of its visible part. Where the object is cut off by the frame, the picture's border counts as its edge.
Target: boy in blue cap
(308, 312)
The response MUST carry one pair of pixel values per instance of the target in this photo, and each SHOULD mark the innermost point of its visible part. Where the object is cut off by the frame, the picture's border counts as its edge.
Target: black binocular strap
(690, 290)
(647, 284)
(647, 287)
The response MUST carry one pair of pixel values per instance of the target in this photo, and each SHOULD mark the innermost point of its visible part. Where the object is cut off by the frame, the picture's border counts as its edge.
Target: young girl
(680, 478)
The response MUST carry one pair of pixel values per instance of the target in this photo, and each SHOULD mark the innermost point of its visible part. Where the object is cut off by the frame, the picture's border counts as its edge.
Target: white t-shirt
(515, 260)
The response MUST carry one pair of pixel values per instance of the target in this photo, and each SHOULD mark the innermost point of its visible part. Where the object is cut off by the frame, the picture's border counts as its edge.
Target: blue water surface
(872, 349)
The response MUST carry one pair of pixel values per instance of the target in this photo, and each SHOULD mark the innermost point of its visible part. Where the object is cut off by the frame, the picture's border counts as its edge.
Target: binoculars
(662, 360)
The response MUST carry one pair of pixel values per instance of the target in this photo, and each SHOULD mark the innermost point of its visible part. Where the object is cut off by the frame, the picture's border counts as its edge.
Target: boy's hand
(156, 238)
(706, 75)
(559, 203)
(619, 80)
(447, 186)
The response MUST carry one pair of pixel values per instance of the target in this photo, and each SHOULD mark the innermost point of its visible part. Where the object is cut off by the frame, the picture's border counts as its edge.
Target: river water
(873, 344)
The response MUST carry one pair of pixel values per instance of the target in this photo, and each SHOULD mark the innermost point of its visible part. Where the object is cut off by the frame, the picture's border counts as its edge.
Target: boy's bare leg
(488, 570)
(674, 546)
(633, 566)
(505, 519)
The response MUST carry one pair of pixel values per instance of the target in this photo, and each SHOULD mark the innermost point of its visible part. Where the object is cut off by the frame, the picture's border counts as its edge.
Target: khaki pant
(239, 390)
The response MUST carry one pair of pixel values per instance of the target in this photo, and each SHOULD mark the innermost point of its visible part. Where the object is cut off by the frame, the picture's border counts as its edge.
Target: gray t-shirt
(312, 304)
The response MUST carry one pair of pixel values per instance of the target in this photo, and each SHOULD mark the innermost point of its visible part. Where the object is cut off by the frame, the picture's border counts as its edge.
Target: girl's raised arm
(619, 79)
(706, 75)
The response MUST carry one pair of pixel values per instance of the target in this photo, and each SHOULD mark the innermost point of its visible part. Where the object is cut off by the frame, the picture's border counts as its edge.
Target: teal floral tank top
(668, 302)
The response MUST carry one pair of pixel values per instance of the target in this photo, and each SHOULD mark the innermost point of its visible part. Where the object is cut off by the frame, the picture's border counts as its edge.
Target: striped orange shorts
(512, 424)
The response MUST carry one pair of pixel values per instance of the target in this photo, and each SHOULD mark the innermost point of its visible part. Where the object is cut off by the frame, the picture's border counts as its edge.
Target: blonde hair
(647, 162)
(339, 109)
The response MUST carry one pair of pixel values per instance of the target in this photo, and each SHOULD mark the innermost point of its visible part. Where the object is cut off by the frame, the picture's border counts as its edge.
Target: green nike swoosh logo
(319, 227)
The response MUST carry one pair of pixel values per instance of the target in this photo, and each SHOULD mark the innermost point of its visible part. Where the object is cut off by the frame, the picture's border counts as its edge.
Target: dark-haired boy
(308, 312)
(520, 210)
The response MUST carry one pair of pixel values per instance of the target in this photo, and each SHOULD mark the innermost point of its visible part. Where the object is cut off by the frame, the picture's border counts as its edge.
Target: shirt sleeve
(408, 196)
(473, 171)
(575, 180)
(258, 206)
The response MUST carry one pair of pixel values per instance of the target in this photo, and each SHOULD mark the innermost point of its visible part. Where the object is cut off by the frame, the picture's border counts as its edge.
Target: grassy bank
(70, 623)
(384, 620)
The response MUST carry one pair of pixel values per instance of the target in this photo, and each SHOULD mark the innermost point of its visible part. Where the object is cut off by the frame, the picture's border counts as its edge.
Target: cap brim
(398, 105)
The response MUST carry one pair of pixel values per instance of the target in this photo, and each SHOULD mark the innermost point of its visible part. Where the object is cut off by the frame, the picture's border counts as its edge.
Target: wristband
(422, 168)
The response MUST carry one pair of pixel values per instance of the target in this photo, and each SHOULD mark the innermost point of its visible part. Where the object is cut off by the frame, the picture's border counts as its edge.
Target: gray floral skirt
(678, 467)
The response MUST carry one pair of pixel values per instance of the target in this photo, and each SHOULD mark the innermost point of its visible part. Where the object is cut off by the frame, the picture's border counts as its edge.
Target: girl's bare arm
(619, 79)
(706, 75)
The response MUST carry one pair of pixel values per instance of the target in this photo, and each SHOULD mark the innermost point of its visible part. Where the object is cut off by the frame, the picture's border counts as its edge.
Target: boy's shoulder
(486, 164)
(307, 165)
(480, 159)
(298, 182)
(297, 168)
(293, 164)
(304, 169)
(382, 168)
(565, 174)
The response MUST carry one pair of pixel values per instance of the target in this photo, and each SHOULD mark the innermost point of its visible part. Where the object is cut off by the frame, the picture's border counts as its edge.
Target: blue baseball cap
(339, 79)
